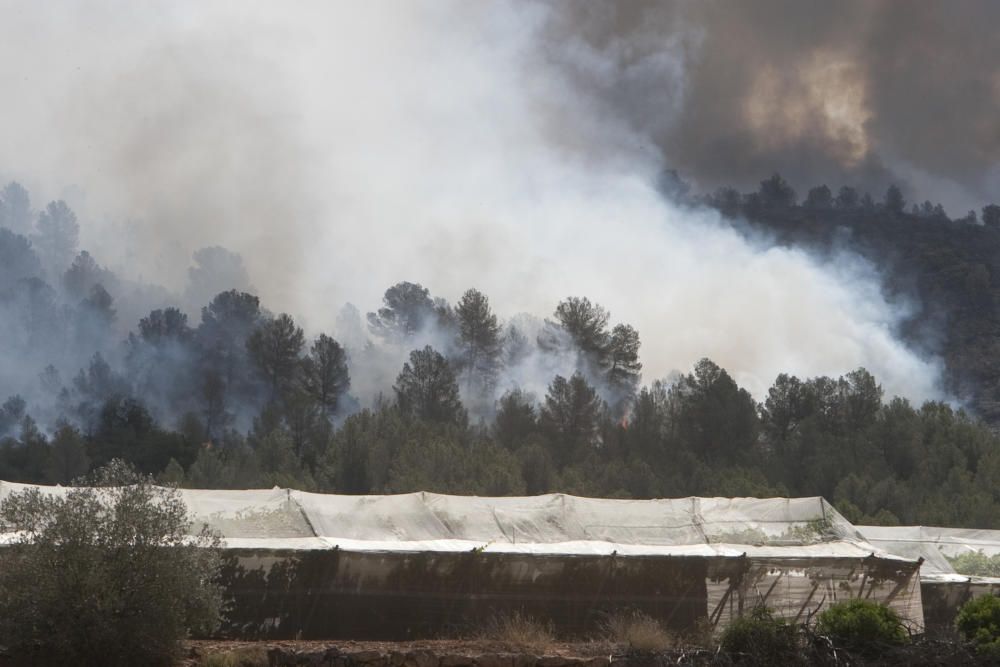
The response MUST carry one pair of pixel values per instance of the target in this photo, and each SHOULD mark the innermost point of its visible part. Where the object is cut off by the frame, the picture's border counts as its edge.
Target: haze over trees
(948, 268)
(229, 395)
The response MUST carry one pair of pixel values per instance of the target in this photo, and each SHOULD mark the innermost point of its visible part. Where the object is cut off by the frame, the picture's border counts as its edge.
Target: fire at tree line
(242, 399)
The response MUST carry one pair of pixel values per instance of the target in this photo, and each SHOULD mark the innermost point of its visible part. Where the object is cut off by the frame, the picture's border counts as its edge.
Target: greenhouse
(958, 565)
(424, 565)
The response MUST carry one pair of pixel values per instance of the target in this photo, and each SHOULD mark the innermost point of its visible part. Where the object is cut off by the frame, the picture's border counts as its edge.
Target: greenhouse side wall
(796, 589)
(334, 594)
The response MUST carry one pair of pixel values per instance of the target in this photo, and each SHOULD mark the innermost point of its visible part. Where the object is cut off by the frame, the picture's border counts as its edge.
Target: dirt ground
(584, 652)
(461, 646)
(485, 653)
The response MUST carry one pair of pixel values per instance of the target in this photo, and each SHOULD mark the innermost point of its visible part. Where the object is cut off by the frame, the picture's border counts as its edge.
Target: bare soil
(464, 647)
(487, 653)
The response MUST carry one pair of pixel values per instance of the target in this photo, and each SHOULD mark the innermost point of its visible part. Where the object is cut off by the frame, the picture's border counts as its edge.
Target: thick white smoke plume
(341, 148)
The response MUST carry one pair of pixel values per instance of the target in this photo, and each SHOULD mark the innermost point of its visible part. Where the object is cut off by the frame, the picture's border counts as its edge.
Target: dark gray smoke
(862, 92)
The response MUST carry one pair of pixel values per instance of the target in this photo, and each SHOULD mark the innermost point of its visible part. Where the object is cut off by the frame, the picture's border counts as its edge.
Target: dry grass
(241, 657)
(638, 630)
(520, 631)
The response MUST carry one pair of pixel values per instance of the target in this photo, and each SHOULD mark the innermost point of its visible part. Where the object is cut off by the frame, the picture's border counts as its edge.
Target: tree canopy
(109, 368)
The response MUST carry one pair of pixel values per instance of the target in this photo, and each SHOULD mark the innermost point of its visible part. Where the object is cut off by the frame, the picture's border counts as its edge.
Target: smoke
(860, 93)
(512, 147)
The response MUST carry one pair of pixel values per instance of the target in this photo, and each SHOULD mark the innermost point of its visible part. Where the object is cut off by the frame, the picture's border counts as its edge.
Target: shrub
(640, 631)
(979, 621)
(521, 631)
(759, 638)
(700, 635)
(862, 626)
(104, 575)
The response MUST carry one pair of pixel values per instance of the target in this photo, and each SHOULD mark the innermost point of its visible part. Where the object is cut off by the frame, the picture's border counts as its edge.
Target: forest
(423, 394)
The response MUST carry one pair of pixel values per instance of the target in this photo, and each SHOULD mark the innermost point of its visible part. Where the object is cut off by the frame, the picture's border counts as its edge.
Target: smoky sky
(863, 92)
(514, 147)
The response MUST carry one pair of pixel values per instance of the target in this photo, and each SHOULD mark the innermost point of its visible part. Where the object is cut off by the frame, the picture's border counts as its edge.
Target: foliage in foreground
(979, 622)
(105, 574)
(761, 639)
(862, 626)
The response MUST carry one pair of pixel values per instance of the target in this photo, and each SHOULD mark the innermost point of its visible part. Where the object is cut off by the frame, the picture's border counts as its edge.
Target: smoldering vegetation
(215, 353)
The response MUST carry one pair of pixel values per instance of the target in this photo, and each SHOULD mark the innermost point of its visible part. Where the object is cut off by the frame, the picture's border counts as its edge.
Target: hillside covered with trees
(239, 397)
(947, 270)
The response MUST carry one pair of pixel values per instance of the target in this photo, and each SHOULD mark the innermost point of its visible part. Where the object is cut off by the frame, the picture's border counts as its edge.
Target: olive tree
(106, 573)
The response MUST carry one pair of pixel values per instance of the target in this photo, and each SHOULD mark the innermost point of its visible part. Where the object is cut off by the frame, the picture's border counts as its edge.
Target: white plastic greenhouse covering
(935, 545)
(552, 524)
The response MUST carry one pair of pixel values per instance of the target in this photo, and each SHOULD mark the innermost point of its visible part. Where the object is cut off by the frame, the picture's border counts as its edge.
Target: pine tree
(426, 388)
(274, 348)
(624, 366)
(479, 342)
(325, 377)
(407, 309)
(570, 417)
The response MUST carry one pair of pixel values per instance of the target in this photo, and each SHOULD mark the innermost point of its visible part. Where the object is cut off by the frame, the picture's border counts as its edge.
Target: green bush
(979, 622)
(862, 626)
(759, 638)
(108, 574)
